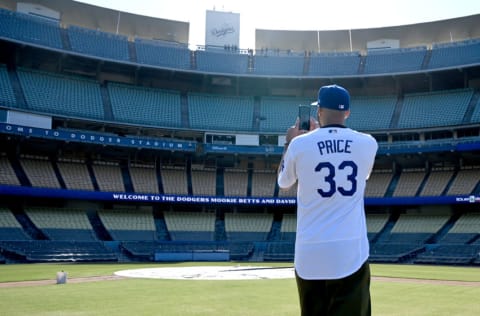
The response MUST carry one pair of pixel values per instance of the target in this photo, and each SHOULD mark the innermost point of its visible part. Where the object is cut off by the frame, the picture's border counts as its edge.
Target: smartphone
(304, 116)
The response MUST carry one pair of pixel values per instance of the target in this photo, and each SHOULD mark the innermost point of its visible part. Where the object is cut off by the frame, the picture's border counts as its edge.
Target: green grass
(222, 298)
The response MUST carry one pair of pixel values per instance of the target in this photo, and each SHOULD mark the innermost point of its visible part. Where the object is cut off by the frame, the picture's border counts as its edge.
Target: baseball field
(93, 289)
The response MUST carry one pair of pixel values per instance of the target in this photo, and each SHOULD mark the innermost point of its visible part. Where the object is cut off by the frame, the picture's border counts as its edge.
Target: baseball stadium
(138, 173)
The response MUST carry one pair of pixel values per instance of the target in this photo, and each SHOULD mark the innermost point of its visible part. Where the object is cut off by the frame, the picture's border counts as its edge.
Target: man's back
(331, 165)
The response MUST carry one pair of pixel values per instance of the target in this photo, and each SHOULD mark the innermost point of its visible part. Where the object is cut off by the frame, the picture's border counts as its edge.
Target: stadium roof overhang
(420, 34)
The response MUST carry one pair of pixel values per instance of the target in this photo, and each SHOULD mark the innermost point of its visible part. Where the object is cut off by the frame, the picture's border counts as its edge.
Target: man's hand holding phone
(303, 124)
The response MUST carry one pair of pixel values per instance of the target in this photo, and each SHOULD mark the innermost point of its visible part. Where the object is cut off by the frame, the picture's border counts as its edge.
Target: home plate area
(211, 273)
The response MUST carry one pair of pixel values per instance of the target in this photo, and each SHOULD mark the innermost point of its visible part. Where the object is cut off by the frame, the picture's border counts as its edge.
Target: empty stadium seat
(221, 62)
(140, 105)
(62, 224)
(174, 180)
(235, 182)
(144, 178)
(7, 96)
(263, 183)
(279, 113)
(288, 227)
(75, 174)
(364, 108)
(7, 174)
(394, 60)
(210, 112)
(334, 64)
(29, 28)
(129, 224)
(98, 43)
(464, 230)
(190, 226)
(40, 172)
(278, 65)
(375, 223)
(455, 54)
(409, 182)
(247, 227)
(60, 94)
(449, 108)
(10, 228)
(109, 176)
(449, 254)
(59, 251)
(465, 181)
(378, 183)
(161, 54)
(203, 181)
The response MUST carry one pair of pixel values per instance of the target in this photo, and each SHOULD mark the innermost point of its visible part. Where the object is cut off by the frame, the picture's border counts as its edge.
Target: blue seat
(60, 94)
(455, 54)
(444, 108)
(152, 52)
(31, 29)
(363, 109)
(279, 113)
(215, 112)
(222, 62)
(279, 65)
(145, 106)
(98, 43)
(394, 60)
(334, 64)
(7, 96)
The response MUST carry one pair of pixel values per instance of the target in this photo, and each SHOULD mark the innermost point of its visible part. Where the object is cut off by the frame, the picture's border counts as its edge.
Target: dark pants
(349, 296)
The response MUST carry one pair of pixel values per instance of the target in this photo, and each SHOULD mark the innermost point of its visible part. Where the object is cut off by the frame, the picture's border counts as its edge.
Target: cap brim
(315, 103)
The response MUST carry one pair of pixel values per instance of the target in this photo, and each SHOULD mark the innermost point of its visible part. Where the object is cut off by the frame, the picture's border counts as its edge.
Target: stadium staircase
(249, 180)
(476, 190)
(274, 234)
(189, 177)
(258, 252)
(391, 186)
(397, 112)
(161, 226)
(132, 52)
(449, 184)
(184, 110)
(220, 184)
(65, 39)
(193, 60)
(251, 63)
(58, 174)
(100, 231)
(127, 181)
(92, 176)
(107, 103)
(426, 59)
(361, 65)
(306, 65)
(19, 172)
(158, 167)
(422, 184)
(220, 234)
(256, 114)
(471, 107)
(444, 230)
(28, 226)
(386, 230)
(17, 88)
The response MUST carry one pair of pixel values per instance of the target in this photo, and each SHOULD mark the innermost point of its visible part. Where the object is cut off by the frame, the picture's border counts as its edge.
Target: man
(331, 164)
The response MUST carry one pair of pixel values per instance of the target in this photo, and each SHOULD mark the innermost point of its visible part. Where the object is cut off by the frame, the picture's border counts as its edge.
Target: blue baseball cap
(333, 97)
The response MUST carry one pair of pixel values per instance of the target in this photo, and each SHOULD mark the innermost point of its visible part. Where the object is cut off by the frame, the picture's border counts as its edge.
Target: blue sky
(297, 14)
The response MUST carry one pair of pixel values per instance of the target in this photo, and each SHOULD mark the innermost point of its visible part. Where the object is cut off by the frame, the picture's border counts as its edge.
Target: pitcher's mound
(211, 273)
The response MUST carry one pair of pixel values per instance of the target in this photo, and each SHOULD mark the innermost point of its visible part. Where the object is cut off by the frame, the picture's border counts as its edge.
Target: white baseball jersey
(332, 165)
